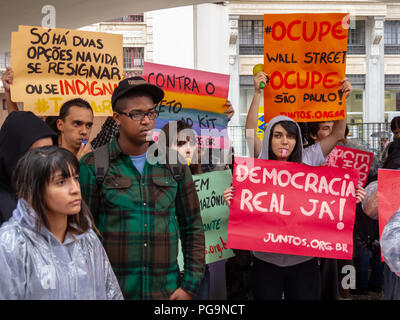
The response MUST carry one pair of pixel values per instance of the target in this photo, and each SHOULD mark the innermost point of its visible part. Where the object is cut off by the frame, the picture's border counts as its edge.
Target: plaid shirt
(140, 218)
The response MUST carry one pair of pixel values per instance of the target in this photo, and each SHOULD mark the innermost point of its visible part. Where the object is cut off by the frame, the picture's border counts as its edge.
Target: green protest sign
(214, 213)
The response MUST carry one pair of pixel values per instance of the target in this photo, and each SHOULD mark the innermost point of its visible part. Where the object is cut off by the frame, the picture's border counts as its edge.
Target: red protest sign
(388, 195)
(344, 157)
(292, 208)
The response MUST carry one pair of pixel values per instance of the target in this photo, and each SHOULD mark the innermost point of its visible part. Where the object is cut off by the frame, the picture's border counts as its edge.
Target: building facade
(373, 55)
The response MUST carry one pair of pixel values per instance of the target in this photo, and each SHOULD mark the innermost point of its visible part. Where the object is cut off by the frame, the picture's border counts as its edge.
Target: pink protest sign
(344, 157)
(292, 208)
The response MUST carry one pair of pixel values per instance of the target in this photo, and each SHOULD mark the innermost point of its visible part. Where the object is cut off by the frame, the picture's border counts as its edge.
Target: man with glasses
(141, 208)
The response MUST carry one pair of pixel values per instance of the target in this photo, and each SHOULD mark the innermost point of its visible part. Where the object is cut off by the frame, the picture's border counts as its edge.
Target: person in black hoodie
(21, 131)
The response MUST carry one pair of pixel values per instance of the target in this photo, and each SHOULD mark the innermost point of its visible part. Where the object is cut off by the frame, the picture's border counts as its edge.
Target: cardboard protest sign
(388, 196)
(292, 208)
(52, 66)
(344, 157)
(214, 213)
(198, 97)
(305, 58)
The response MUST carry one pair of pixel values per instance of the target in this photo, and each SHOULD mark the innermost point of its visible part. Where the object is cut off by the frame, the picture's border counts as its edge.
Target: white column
(374, 104)
(234, 92)
(173, 36)
(212, 38)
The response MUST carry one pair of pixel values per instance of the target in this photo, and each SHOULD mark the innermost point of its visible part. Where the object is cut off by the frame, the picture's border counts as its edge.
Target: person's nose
(145, 119)
(83, 131)
(75, 186)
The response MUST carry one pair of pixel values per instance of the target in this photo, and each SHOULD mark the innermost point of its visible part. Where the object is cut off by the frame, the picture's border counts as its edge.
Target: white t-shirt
(313, 155)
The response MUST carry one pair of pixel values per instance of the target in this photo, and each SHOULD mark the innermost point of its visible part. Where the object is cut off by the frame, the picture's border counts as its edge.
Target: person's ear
(60, 125)
(313, 136)
(116, 117)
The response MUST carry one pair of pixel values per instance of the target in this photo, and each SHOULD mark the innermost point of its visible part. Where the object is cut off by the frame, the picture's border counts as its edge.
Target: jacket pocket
(117, 192)
(164, 190)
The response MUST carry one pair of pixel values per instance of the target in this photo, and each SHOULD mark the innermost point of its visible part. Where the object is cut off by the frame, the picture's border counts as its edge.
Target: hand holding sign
(346, 87)
(7, 78)
(259, 68)
(260, 78)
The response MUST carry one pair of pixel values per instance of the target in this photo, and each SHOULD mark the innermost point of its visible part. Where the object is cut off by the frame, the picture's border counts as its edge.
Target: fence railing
(370, 135)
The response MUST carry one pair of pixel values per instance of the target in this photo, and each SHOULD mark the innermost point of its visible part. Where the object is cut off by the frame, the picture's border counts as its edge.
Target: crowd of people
(95, 219)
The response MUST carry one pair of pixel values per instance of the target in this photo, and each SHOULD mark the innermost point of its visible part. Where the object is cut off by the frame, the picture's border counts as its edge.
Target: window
(392, 103)
(392, 96)
(4, 60)
(130, 18)
(392, 37)
(355, 106)
(133, 58)
(356, 39)
(251, 37)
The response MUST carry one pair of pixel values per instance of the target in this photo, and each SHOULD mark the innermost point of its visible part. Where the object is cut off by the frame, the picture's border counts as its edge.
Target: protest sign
(197, 97)
(52, 66)
(388, 196)
(305, 58)
(344, 157)
(292, 208)
(214, 213)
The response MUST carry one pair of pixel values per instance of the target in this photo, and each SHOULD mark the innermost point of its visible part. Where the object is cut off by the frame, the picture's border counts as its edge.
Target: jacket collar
(115, 149)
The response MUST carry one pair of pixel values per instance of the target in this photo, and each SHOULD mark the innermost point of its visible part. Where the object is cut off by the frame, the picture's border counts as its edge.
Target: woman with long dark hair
(48, 249)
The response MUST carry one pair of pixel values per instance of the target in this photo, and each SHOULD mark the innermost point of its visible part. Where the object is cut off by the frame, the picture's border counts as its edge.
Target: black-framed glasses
(139, 115)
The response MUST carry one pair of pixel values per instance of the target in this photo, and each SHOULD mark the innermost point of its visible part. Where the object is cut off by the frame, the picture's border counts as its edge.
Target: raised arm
(253, 141)
(7, 79)
(339, 126)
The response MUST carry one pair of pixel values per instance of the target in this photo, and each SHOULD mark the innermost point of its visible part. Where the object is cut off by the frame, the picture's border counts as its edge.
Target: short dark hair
(291, 128)
(120, 103)
(393, 157)
(78, 102)
(312, 129)
(395, 123)
(31, 176)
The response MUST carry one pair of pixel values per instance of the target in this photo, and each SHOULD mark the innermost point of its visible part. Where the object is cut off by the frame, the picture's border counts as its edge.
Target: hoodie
(390, 243)
(19, 131)
(285, 260)
(35, 265)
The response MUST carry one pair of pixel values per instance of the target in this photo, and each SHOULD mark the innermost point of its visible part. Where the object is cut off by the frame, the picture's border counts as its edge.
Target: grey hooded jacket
(390, 242)
(36, 265)
(311, 156)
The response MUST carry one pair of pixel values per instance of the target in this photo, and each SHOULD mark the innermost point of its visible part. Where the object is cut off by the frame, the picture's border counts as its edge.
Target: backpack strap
(177, 170)
(101, 164)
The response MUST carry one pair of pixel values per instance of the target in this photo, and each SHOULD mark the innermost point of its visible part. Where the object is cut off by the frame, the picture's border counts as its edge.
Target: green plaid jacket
(141, 218)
